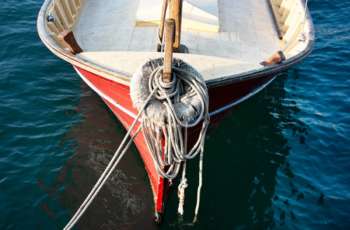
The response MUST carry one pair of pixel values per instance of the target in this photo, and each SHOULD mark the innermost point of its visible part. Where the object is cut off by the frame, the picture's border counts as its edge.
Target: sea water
(280, 160)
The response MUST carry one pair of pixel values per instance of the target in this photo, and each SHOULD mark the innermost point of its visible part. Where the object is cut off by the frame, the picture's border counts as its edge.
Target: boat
(238, 47)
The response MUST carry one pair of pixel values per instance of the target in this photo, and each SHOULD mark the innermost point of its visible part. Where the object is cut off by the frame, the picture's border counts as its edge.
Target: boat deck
(247, 33)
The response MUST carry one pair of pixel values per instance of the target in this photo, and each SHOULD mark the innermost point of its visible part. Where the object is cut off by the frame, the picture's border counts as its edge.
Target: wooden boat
(239, 47)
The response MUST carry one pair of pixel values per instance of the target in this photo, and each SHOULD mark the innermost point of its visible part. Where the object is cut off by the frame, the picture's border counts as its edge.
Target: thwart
(169, 68)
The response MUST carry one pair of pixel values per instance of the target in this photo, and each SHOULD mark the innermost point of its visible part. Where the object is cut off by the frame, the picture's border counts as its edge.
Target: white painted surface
(247, 34)
(210, 67)
(196, 15)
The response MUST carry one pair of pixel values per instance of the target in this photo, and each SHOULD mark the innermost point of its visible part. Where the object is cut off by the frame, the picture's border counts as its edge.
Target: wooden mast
(162, 20)
(170, 31)
(176, 14)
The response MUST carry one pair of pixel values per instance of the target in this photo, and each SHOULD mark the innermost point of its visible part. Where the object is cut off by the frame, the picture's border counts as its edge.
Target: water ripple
(284, 164)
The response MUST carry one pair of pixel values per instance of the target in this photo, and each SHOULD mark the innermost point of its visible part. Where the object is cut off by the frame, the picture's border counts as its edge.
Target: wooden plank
(275, 16)
(60, 14)
(53, 28)
(58, 23)
(194, 18)
(67, 12)
(73, 7)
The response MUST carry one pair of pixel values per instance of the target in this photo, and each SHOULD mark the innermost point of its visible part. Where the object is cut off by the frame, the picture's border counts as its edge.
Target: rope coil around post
(171, 97)
(175, 107)
(178, 105)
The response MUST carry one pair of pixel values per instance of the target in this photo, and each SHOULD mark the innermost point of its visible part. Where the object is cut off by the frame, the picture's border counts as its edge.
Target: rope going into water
(168, 160)
(183, 88)
(184, 105)
(118, 155)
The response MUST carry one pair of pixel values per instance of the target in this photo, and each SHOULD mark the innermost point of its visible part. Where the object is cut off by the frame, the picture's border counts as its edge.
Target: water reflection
(243, 158)
(126, 200)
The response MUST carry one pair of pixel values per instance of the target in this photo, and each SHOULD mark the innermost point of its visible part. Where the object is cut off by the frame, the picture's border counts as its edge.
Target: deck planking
(247, 32)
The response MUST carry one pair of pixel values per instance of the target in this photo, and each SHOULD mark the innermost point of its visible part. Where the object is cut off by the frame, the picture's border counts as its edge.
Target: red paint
(218, 96)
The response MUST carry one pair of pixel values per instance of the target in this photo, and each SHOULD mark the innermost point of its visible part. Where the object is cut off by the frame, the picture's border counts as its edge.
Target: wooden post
(162, 20)
(68, 38)
(176, 14)
(169, 29)
(276, 58)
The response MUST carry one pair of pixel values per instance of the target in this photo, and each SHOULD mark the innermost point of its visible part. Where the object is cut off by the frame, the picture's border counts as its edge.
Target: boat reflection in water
(243, 157)
(124, 202)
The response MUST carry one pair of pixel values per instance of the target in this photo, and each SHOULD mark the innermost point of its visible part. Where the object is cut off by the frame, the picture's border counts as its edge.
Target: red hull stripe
(240, 100)
(103, 95)
(133, 115)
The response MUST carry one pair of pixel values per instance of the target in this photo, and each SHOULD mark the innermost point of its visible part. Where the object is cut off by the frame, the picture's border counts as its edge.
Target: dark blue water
(281, 160)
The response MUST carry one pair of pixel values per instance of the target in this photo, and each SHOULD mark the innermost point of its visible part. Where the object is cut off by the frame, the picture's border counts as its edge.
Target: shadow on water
(280, 160)
(125, 202)
(243, 156)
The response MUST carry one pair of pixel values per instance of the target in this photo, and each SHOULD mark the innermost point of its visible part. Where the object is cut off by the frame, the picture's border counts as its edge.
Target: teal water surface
(279, 161)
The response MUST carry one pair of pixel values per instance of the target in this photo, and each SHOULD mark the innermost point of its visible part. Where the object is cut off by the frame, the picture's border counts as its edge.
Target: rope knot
(163, 90)
(181, 191)
(174, 107)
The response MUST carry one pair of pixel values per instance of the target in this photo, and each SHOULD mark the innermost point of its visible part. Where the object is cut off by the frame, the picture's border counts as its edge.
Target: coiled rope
(185, 104)
(178, 105)
(118, 155)
(179, 114)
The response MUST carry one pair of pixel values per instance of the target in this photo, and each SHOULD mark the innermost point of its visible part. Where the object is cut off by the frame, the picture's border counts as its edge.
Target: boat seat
(197, 15)
(127, 62)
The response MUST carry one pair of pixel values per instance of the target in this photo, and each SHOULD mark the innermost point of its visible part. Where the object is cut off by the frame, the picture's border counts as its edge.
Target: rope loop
(166, 110)
(176, 106)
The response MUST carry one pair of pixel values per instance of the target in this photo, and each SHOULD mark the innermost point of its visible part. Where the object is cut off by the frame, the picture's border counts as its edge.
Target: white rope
(183, 183)
(199, 189)
(123, 147)
(181, 191)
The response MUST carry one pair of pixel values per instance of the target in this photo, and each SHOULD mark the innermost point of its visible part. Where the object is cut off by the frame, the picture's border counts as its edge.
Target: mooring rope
(168, 160)
(118, 155)
(184, 86)
(200, 184)
(184, 105)
(181, 191)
